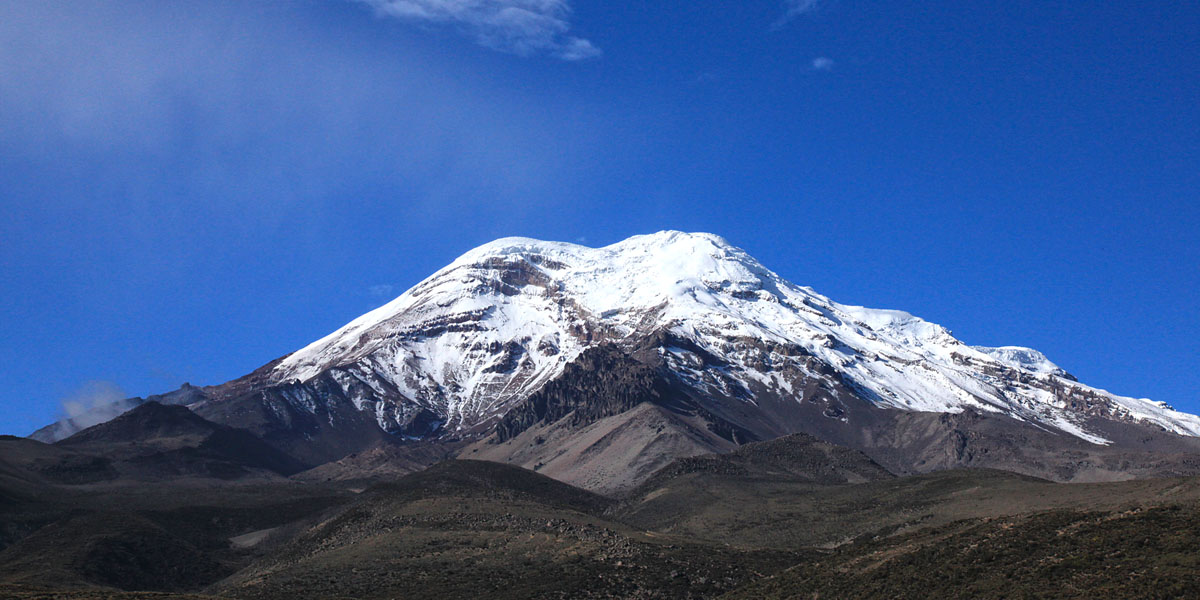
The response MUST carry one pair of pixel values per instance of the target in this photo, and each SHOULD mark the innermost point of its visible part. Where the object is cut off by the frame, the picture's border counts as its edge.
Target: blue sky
(191, 189)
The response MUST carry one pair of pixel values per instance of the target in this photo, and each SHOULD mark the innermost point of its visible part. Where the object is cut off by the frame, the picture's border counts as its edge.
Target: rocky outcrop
(602, 382)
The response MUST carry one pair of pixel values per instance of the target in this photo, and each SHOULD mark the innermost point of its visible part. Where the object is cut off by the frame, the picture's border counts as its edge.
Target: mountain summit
(525, 335)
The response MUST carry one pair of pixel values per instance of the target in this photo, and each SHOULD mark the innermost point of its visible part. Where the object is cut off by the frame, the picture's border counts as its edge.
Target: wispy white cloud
(91, 399)
(822, 63)
(795, 8)
(381, 291)
(523, 27)
(93, 403)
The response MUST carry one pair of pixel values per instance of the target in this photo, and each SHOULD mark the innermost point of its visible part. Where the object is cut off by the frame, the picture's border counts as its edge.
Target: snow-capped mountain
(600, 365)
(504, 319)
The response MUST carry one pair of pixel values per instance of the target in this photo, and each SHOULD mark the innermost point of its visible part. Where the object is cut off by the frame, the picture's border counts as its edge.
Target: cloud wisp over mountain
(522, 27)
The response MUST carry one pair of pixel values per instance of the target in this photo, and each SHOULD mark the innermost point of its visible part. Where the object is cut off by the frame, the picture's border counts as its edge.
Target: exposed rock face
(602, 382)
(521, 340)
(318, 420)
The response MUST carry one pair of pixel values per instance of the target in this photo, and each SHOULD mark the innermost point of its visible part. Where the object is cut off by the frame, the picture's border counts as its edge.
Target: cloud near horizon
(521, 27)
(94, 402)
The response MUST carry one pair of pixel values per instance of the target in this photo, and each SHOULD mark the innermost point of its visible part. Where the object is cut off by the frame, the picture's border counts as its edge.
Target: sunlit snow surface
(504, 319)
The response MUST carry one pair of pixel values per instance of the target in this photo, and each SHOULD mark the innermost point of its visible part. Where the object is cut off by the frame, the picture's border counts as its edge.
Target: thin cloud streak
(522, 27)
(822, 63)
(383, 290)
(93, 403)
(793, 9)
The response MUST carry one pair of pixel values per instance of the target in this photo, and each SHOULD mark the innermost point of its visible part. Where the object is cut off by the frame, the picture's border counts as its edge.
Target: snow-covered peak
(660, 243)
(523, 284)
(667, 256)
(505, 318)
(517, 246)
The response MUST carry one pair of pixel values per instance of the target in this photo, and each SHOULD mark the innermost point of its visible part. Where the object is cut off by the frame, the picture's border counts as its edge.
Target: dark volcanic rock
(603, 381)
(159, 440)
